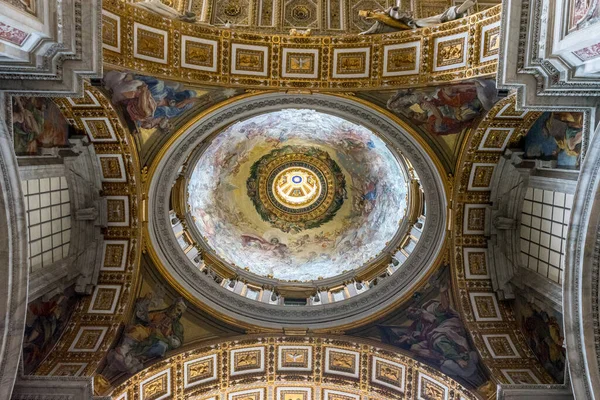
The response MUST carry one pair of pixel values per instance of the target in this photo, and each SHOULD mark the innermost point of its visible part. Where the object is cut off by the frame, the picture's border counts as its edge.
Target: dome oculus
(296, 187)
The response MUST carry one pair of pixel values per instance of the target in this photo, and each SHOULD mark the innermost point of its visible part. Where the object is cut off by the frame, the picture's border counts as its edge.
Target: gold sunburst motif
(296, 187)
(300, 185)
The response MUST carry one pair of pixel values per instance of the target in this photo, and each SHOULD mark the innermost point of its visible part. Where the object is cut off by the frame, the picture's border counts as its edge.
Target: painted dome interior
(297, 195)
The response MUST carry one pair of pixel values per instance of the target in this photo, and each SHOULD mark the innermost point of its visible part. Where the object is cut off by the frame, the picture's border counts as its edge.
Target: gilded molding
(204, 55)
(261, 367)
(489, 321)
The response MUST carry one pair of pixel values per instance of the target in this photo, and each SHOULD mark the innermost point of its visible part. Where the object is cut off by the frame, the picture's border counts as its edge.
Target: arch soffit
(482, 312)
(94, 324)
(345, 366)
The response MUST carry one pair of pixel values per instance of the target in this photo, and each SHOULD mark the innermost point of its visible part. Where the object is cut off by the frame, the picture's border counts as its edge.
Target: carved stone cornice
(60, 45)
(536, 57)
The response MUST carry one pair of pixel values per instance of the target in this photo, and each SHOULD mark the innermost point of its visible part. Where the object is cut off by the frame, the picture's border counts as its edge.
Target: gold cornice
(200, 54)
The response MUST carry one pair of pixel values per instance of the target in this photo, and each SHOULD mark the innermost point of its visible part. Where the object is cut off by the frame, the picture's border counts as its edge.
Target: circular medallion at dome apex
(296, 187)
(353, 210)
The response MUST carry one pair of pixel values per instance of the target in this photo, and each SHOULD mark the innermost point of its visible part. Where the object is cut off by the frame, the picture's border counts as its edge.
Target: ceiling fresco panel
(363, 194)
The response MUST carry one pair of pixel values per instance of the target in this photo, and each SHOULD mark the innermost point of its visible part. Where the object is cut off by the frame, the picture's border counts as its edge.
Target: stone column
(13, 261)
(581, 283)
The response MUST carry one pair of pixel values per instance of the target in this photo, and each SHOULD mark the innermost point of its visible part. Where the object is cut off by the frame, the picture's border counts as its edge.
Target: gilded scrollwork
(201, 54)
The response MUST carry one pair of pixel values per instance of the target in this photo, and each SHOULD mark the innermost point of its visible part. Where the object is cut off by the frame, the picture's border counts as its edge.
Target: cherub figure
(394, 19)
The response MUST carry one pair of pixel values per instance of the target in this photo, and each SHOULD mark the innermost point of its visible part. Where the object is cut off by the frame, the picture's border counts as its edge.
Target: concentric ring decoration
(305, 205)
(201, 290)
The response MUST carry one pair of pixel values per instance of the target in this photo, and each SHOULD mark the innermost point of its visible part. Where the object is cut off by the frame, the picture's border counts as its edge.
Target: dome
(297, 195)
(295, 210)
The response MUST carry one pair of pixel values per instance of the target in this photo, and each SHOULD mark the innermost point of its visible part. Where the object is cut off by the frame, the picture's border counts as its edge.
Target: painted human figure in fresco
(556, 136)
(437, 335)
(45, 323)
(149, 102)
(584, 13)
(151, 335)
(37, 122)
(544, 337)
(445, 110)
(543, 331)
(566, 128)
(273, 245)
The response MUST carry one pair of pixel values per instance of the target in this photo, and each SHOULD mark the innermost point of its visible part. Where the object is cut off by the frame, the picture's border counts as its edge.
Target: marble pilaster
(13, 262)
(581, 280)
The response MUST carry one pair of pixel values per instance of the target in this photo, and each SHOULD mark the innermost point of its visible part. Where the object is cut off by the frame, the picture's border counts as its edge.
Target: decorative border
(165, 38)
(259, 368)
(389, 362)
(375, 75)
(408, 45)
(280, 360)
(187, 384)
(185, 39)
(356, 355)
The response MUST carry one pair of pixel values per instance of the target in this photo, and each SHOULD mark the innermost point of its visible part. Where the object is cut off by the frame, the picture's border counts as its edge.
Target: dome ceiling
(253, 202)
(297, 195)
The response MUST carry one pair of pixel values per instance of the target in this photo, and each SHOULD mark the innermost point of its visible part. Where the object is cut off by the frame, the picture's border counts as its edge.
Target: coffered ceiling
(327, 16)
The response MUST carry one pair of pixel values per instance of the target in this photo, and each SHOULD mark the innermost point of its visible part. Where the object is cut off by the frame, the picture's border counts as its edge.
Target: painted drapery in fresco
(37, 122)
(430, 329)
(445, 110)
(150, 103)
(544, 334)
(152, 332)
(45, 323)
(583, 13)
(556, 136)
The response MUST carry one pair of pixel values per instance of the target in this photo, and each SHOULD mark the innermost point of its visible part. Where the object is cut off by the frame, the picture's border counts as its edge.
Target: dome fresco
(297, 195)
